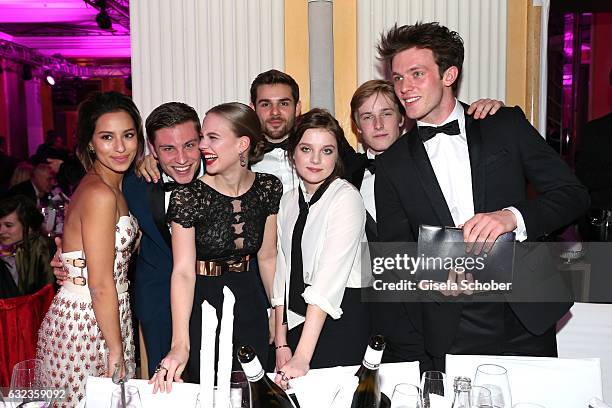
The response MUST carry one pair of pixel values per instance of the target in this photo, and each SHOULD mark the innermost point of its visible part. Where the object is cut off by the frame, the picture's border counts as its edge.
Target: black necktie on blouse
(450, 128)
(297, 304)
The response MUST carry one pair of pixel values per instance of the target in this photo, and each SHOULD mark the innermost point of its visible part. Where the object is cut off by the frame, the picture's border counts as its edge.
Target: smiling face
(115, 141)
(11, 230)
(379, 122)
(416, 79)
(176, 149)
(276, 110)
(220, 146)
(315, 157)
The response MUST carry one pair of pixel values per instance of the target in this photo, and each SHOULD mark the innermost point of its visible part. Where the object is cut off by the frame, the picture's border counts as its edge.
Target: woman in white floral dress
(87, 330)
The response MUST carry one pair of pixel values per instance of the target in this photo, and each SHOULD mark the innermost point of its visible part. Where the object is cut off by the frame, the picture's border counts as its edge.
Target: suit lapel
(371, 228)
(428, 178)
(474, 141)
(156, 196)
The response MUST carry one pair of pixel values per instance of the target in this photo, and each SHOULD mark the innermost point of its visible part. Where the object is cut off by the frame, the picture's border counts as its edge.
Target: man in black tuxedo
(40, 184)
(451, 170)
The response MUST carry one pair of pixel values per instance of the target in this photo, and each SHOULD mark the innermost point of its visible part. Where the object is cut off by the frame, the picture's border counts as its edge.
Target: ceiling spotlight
(103, 19)
(49, 77)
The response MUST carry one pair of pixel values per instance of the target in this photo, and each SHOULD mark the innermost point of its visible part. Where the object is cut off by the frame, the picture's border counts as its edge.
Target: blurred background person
(23, 172)
(24, 251)
(38, 186)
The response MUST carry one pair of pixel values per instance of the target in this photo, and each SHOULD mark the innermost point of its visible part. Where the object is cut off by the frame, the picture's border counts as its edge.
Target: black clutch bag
(442, 248)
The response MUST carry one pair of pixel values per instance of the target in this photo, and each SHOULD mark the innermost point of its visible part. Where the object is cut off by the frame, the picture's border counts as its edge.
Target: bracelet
(280, 347)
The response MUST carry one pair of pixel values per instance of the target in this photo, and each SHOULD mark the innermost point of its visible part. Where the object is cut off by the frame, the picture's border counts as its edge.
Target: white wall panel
(481, 24)
(202, 52)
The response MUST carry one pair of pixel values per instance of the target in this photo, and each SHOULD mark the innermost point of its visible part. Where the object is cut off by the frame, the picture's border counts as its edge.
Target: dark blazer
(24, 188)
(355, 166)
(505, 152)
(154, 262)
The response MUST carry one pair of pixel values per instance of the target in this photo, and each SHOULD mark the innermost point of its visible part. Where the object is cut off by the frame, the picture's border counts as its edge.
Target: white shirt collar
(456, 114)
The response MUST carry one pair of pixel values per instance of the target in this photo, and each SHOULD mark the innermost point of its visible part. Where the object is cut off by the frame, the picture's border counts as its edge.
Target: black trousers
(494, 329)
(342, 342)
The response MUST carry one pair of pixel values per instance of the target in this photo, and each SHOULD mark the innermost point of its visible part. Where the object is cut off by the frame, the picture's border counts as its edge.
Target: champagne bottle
(462, 386)
(367, 394)
(264, 392)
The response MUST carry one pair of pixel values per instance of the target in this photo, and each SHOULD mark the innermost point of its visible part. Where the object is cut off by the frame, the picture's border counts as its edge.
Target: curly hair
(446, 45)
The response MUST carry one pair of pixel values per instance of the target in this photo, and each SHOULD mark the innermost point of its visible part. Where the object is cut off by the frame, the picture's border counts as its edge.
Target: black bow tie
(269, 146)
(450, 128)
(170, 186)
(364, 162)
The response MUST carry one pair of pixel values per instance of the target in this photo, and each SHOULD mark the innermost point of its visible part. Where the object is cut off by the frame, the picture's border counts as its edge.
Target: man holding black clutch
(451, 170)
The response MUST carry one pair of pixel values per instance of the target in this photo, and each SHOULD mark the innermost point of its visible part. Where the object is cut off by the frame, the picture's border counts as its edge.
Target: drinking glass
(480, 397)
(240, 393)
(495, 378)
(406, 396)
(27, 378)
(132, 398)
(434, 389)
(527, 405)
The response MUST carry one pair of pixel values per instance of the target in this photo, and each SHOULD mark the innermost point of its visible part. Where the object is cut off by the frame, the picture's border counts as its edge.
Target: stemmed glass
(240, 393)
(27, 383)
(406, 396)
(435, 390)
(495, 378)
(132, 398)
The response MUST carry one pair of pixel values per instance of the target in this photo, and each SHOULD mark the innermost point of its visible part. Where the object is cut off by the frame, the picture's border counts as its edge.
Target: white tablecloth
(324, 381)
(551, 382)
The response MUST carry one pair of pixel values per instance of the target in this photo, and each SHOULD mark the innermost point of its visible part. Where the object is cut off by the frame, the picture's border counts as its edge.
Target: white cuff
(277, 301)
(313, 298)
(521, 230)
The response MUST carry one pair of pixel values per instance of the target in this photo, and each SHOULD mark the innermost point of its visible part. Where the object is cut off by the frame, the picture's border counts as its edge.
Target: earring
(91, 149)
(243, 162)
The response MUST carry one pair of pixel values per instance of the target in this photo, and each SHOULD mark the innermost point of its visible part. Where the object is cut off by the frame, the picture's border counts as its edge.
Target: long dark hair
(90, 110)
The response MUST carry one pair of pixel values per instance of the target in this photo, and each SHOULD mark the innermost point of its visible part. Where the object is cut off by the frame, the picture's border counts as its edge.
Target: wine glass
(28, 375)
(480, 397)
(240, 393)
(406, 396)
(435, 391)
(132, 398)
(495, 378)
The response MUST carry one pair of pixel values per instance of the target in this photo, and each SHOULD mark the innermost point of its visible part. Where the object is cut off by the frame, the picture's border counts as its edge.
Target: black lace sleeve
(273, 189)
(183, 206)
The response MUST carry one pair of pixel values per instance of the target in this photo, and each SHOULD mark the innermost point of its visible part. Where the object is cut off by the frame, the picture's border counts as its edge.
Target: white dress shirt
(277, 163)
(450, 159)
(367, 189)
(330, 248)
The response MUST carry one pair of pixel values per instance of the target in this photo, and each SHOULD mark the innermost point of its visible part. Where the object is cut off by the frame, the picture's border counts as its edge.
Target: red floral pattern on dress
(70, 342)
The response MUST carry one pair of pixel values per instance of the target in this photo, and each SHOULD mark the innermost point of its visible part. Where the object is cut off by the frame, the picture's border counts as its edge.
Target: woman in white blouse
(318, 270)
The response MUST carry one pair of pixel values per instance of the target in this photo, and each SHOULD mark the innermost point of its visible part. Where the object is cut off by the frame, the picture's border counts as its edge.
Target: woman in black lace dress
(219, 223)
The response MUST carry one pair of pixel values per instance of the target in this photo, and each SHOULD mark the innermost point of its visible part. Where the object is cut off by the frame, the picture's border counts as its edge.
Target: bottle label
(372, 358)
(253, 370)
